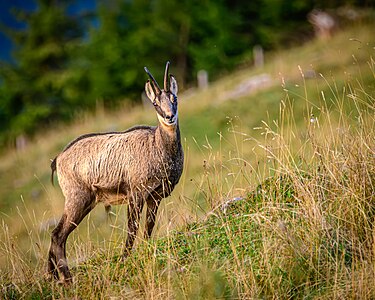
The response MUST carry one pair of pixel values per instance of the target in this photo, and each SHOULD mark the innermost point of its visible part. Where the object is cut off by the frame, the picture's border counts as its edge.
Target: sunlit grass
(270, 205)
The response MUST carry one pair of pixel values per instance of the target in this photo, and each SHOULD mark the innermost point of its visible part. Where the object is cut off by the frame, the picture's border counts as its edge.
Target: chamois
(137, 166)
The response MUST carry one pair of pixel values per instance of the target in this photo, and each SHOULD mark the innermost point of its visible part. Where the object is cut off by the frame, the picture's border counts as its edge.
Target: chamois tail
(53, 168)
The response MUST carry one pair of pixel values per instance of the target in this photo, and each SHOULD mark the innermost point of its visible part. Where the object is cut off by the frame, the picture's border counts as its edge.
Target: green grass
(304, 226)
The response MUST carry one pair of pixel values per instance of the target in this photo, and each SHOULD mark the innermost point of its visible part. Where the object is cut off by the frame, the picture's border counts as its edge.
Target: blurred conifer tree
(32, 90)
(62, 65)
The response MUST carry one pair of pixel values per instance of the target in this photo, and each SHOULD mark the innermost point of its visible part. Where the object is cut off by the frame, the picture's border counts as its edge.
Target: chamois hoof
(49, 276)
(52, 274)
(125, 255)
(65, 281)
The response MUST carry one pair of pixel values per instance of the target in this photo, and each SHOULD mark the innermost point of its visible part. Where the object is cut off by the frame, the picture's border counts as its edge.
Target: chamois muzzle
(170, 119)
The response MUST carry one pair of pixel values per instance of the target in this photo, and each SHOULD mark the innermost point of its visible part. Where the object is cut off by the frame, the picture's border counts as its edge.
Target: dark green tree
(193, 34)
(63, 66)
(32, 89)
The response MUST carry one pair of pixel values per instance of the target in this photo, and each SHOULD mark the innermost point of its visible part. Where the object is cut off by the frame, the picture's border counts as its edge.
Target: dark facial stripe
(161, 112)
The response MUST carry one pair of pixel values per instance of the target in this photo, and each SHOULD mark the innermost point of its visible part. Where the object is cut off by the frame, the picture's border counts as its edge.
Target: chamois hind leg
(77, 206)
(152, 209)
(134, 210)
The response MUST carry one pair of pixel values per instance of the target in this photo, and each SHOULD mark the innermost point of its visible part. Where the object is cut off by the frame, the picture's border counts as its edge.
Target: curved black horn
(153, 80)
(166, 83)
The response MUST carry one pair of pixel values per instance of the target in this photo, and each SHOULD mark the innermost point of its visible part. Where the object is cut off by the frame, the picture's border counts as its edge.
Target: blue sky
(7, 19)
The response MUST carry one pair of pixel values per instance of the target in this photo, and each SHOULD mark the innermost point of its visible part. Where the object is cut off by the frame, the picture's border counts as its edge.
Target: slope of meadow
(276, 199)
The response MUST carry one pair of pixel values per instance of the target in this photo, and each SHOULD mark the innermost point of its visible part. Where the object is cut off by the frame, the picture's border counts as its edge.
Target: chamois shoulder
(85, 136)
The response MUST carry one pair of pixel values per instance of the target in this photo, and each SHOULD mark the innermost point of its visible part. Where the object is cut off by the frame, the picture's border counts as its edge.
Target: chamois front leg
(134, 211)
(152, 209)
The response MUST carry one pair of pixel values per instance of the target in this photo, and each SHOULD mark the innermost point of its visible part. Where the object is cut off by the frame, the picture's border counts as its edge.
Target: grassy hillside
(276, 199)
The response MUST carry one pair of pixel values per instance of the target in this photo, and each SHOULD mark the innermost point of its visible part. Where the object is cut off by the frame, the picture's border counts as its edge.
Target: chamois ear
(173, 85)
(150, 91)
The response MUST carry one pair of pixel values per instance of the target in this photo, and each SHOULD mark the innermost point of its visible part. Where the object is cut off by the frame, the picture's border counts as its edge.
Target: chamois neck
(168, 137)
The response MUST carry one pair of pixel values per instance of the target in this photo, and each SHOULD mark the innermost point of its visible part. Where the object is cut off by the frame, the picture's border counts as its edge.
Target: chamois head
(164, 100)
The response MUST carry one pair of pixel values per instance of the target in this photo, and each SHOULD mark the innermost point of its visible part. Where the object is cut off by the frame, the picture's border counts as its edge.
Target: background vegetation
(276, 200)
(66, 63)
(277, 195)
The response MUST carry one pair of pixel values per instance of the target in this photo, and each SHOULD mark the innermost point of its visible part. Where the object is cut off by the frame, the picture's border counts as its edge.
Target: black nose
(169, 117)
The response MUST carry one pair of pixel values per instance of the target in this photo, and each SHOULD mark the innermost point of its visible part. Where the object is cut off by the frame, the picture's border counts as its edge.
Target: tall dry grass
(282, 211)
